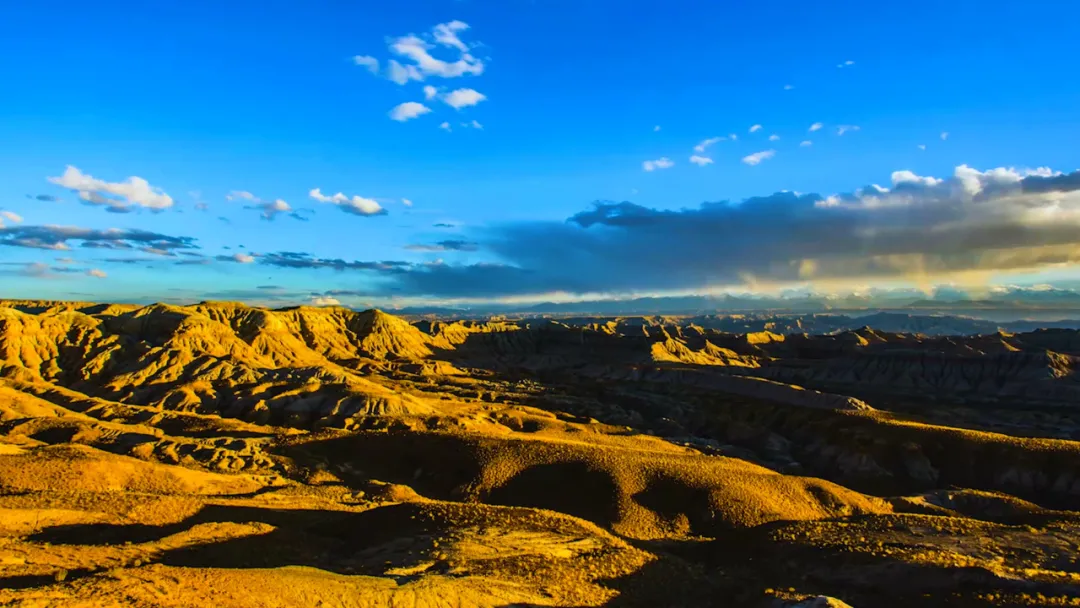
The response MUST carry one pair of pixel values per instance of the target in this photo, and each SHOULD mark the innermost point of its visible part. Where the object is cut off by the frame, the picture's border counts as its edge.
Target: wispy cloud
(271, 209)
(61, 238)
(37, 270)
(817, 126)
(846, 128)
(408, 110)
(268, 209)
(757, 157)
(774, 137)
(846, 64)
(415, 57)
(367, 61)
(806, 143)
(402, 74)
(701, 161)
(705, 143)
(447, 245)
(755, 128)
(944, 135)
(298, 260)
(660, 163)
(417, 51)
(10, 216)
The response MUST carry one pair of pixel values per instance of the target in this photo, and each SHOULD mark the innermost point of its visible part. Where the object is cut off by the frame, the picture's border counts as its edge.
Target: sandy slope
(220, 455)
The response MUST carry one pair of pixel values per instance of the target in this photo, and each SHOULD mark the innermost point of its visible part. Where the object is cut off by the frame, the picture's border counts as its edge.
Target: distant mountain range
(1014, 304)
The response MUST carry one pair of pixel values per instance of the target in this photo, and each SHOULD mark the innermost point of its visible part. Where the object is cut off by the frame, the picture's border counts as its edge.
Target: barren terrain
(223, 455)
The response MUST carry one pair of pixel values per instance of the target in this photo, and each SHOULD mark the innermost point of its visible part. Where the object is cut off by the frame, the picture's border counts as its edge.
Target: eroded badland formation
(221, 455)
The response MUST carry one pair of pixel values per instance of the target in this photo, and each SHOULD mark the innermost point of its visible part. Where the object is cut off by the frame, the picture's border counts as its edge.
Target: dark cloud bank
(918, 228)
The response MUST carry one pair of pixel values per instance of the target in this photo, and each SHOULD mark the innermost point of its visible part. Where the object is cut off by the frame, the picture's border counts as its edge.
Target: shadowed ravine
(223, 455)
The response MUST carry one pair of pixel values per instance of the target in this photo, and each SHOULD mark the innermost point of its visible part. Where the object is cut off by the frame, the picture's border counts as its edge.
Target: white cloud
(430, 92)
(656, 128)
(11, 216)
(806, 143)
(701, 161)
(705, 143)
(846, 64)
(660, 163)
(476, 125)
(402, 74)
(324, 301)
(418, 51)
(974, 181)
(774, 137)
(944, 135)
(243, 258)
(757, 157)
(908, 177)
(406, 202)
(415, 59)
(755, 128)
(1042, 172)
(240, 195)
(446, 34)
(817, 126)
(94, 272)
(356, 205)
(117, 196)
(733, 137)
(463, 98)
(922, 147)
(845, 128)
(271, 209)
(367, 61)
(788, 87)
(408, 110)
(198, 203)
(445, 126)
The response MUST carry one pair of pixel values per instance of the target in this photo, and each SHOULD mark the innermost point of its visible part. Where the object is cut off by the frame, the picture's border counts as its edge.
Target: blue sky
(203, 99)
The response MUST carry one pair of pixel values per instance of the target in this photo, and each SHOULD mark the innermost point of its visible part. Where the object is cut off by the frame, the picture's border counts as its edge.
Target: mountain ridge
(539, 460)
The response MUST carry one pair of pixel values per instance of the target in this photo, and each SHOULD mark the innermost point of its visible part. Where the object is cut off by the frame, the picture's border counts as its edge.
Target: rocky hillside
(219, 454)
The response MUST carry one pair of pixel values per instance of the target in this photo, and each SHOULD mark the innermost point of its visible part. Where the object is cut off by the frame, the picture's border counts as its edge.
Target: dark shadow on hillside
(740, 568)
(612, 380)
